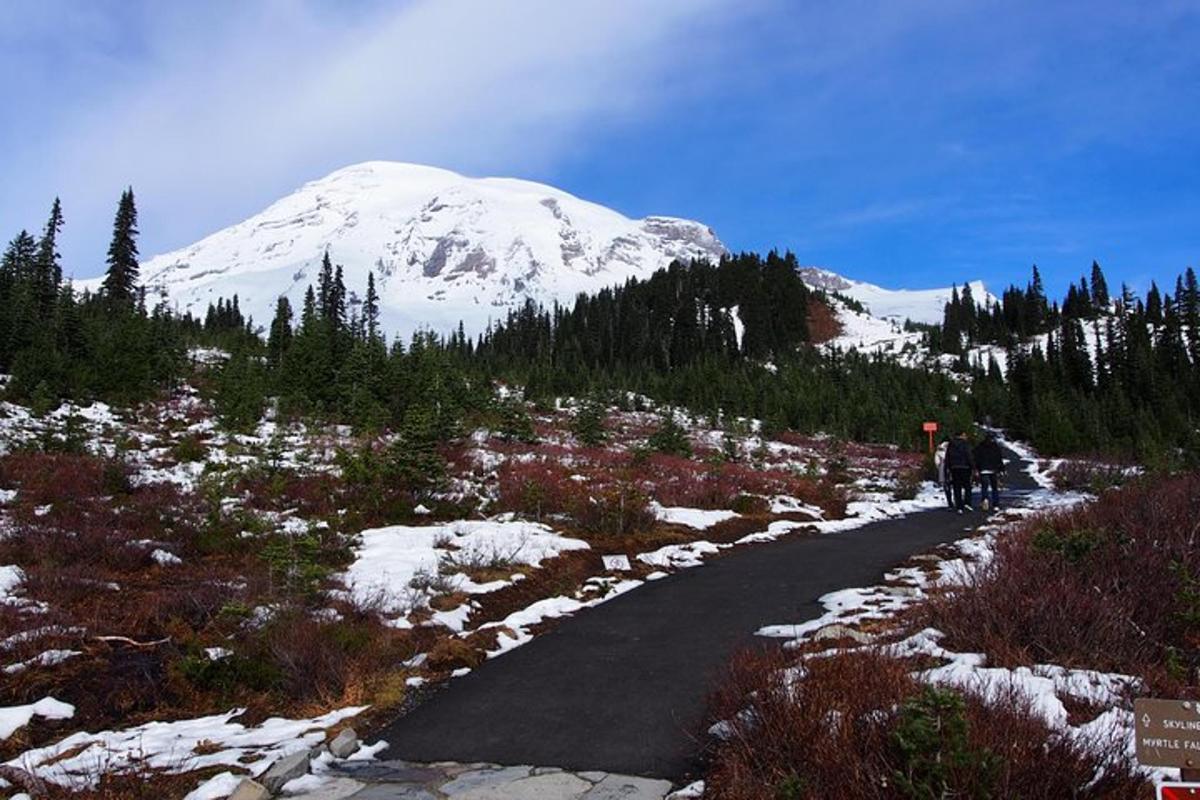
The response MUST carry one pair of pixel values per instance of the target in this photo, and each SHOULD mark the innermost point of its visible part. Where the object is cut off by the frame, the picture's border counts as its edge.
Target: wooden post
(1186, 774)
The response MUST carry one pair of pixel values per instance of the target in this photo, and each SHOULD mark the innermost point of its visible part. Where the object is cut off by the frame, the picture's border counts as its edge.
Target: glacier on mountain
(444, 248)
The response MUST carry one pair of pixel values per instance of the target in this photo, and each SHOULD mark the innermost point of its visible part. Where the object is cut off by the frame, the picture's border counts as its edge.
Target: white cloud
(227, 109)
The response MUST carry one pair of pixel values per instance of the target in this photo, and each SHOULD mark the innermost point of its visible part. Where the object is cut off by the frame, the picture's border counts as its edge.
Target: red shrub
(832, 733)
(1113, 586)
(537, 487)
(53, 478)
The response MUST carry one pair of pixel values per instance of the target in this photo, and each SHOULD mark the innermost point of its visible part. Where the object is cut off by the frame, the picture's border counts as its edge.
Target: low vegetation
(1111, 585)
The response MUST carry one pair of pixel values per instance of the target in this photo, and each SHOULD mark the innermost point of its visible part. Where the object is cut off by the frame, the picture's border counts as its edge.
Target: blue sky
(906, 143)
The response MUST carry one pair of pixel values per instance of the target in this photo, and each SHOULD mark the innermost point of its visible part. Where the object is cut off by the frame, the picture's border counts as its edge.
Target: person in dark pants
(989, 464)
(961, 464)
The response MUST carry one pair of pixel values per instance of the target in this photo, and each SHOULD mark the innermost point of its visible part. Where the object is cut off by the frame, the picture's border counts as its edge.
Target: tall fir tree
(120, 285)
(48, 267)
(370, 312)
(1100, 298)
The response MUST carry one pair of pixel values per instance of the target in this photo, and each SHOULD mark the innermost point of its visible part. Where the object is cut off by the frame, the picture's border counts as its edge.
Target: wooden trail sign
(931, 429)
(1167, 733)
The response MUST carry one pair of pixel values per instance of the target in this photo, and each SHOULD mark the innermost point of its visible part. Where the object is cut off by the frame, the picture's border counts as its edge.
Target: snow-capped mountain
(443, 247)
(919, 305)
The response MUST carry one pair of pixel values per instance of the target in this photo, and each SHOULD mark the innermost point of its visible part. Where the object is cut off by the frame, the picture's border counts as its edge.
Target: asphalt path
(621, 687)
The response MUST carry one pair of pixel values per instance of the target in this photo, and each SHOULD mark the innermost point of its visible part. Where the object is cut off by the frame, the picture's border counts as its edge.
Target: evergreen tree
(670, 437)
(1100, 297)
(588, 424)
(280, 337)
(370, 315)
(48, 267)
(121, 281)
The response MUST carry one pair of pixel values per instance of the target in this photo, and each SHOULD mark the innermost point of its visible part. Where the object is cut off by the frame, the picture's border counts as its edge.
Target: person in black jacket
(961, 463)
(989, 464)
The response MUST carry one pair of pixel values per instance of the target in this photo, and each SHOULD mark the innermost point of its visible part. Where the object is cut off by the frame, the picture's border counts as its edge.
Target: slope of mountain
(919, 305)
(443, 247)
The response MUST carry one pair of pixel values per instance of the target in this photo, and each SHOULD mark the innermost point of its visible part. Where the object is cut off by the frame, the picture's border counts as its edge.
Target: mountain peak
(444, 247)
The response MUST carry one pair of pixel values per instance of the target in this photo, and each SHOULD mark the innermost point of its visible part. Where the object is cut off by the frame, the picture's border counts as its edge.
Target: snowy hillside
(919, 305)
(443, 247)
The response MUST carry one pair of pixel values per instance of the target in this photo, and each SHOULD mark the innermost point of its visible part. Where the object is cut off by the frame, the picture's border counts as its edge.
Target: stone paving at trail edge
(401, 780)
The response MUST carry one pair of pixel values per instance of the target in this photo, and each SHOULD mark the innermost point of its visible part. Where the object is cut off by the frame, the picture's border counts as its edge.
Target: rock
(627, 787)
(546, 770)
(558, 786)
(395, 791)
(250, 790)
(837, 631)
(387, 771)
(285, 769)
(344, 744)
(328, 789)
(594, 777)
(479, 777)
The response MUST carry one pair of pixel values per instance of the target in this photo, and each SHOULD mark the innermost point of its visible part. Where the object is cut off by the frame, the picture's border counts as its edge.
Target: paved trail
(621, 687)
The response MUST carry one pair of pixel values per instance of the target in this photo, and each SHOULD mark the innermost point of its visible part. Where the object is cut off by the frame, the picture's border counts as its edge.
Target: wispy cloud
(874, 214)
(211, 110)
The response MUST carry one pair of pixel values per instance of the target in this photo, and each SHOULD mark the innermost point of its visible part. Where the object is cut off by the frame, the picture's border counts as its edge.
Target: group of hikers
(957, 462)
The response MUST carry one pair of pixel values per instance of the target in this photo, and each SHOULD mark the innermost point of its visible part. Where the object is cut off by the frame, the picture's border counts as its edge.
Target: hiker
(943, 475)
(961, 464)
(989, 465)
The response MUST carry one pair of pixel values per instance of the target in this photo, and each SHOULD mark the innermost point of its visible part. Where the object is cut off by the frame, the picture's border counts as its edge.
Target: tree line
(723, 339)
(1112, 374)
(56, 342)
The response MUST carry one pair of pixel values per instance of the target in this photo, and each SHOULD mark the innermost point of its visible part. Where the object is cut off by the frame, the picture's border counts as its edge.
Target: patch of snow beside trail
(1040, 476)
(873, 508)
(218, 786)
(515, 628)
(13, 718)
(680, 556)
(698, 518)
(80, 759)
(1042, 686)
(388, 559)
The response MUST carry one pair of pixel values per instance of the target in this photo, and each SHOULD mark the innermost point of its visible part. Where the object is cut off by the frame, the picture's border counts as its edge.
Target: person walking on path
(961, 463)
(943, 475)
(989, 463)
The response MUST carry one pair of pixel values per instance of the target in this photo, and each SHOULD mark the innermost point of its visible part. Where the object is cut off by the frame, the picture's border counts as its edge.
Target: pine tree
(370, 314)
(588, 424)
(325, 285)
(1100, 298)
(414, 460)
(48, 268)
(120, 285)
(280, 336)
(513, 420)
(670, 437)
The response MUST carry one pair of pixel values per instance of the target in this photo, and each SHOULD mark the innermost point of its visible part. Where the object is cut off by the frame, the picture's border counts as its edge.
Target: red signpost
(931, 429)
(1179, 791)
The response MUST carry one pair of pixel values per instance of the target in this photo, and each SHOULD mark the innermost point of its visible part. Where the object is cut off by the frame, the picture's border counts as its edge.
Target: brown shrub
(560, 575)
(825, 735)
(453, 653)
(1114, 586)
(46, 478)
(823, 322)
(833, 733)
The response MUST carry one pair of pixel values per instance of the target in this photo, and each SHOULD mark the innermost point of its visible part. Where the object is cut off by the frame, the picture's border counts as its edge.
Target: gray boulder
(285, 769)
